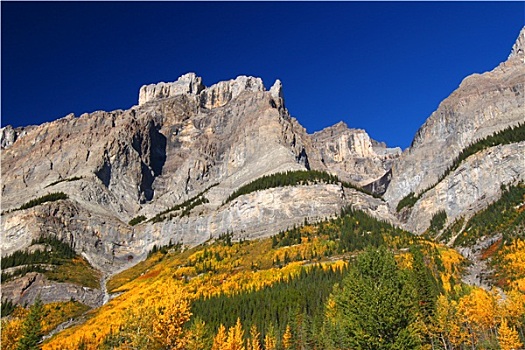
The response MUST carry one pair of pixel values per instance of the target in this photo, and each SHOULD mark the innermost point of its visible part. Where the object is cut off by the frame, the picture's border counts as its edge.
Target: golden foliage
(254, 343)
(508, 337)
(220, 339)
(235, 337)
(287, 338)
(170, 316)
(479, 309)
(11, 333)
(58, 312)
(451, 260)
(447, 324)
(514, 307)
(269, 342)
(513, 264)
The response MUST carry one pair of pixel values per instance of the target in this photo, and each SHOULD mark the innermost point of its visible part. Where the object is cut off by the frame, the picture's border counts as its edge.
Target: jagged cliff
(176, 157)
(482, 105)
(183, 139)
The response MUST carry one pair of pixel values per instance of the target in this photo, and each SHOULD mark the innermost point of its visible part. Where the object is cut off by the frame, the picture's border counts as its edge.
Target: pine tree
(32, 327)
(198, 337)
(376, 305)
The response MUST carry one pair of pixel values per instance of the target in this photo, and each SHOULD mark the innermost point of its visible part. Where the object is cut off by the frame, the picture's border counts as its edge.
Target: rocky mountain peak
(221, 93)
(352, 154)
(518, 49)
(189, 83)
(277, 89)
(214, 96)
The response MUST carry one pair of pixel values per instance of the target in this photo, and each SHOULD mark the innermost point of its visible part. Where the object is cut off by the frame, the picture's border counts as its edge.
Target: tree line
(291, 178)
(506, 136)
(55, 252)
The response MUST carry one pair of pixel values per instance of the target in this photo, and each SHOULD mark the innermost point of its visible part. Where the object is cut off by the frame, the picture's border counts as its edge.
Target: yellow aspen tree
(508, 337)
(514, 307)
(11, 333)
(269, 342)
(447, 325)
(219, 342)
(287, 338)
(254, 343)
(236, 337)
(479, 310)
(170, 318)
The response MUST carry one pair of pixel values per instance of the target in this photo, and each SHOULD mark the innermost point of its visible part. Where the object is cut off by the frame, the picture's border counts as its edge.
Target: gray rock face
(27, 288)
(223, 92)
(181, 140)
(470, 188)
(352, 154)
(518, 49)
(277, 90)
(187, 84)
(482, 105)
(8, 135)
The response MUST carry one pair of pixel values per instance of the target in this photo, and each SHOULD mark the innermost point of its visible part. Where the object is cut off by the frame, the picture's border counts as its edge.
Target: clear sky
(380, 66)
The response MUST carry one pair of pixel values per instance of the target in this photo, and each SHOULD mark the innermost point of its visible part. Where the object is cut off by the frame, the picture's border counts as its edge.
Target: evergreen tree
(32, 327)
(375, 306)
(198, 337)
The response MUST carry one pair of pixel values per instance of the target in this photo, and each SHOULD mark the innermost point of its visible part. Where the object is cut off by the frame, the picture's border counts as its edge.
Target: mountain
(483, 105)
(172, 162)
(88, 199)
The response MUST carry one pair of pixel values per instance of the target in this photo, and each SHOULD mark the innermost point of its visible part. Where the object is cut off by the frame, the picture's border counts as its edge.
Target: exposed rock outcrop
(27, 289)
(482, 105)
(470, 188)
(352, 154)
(518, 49)
(183, 139)
(189, 83)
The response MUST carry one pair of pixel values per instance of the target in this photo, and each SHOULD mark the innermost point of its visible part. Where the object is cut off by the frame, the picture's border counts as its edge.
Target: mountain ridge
(185, 143)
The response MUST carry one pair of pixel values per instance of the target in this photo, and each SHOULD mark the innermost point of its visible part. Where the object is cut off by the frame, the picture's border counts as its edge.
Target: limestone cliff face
(482, 105)
(181, 140)
(470, 188)
(187, 84)
(352, 154)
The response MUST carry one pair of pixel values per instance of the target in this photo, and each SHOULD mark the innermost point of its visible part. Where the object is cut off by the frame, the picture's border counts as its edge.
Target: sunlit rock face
(482, 105)
(182, 139)
(352, 154)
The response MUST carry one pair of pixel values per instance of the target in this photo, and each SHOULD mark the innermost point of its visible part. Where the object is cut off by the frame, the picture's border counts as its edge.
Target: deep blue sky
(380, 66)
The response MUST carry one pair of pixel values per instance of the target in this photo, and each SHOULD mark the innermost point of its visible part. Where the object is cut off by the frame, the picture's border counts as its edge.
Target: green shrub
(136, 220)
(438, 221)
(51, 197)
